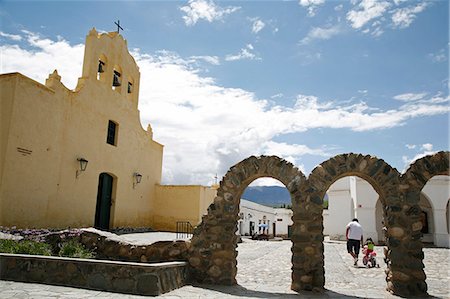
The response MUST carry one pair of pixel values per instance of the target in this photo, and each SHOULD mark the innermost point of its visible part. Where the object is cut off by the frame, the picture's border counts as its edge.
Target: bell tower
(108, 62)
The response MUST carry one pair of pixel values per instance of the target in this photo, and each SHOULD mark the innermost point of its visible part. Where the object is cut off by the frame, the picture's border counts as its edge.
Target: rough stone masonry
(212, 255)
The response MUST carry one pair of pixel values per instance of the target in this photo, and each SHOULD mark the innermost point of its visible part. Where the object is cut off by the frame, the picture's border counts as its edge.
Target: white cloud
(266, 182)
(398, 2)
(308, 57)
(427, 150)
(339, 7)
(437, 99)
(206, 10)
(439, 56)
(205, 127)
(320, 33)
(214, 60)
(377, 31)
(427, 147)
(42, 58)
(14, 37)
(278, 95)
(244, 53)
(290, 150)
(370, 16)
(311, 5)
(410, 97)
(403, 17)
(366, 11)
(410, 146)
(258, 25)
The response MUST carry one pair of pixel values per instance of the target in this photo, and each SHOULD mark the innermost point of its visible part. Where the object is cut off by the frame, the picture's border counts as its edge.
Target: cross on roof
(118, 26)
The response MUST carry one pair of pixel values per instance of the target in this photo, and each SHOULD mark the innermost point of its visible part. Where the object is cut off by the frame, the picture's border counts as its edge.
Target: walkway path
(264, 272)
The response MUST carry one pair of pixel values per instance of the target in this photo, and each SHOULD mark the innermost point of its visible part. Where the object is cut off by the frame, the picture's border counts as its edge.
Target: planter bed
(114, 276)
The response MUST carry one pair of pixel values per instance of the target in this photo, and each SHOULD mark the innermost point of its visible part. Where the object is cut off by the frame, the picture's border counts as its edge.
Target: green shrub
(70, 248)
(24, 247)
(75, 249)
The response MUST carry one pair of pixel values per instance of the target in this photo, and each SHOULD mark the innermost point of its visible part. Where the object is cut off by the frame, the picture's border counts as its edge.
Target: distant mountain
(272, 196)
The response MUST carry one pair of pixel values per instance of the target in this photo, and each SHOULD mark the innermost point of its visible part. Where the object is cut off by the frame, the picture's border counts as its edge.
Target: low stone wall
(122, 277)
(110, 249)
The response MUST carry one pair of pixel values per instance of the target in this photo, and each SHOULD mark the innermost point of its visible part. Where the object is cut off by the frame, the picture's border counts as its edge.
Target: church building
(74, 158)
(353, 197)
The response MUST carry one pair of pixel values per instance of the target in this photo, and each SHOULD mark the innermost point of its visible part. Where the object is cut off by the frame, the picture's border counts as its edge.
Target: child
(370, 246)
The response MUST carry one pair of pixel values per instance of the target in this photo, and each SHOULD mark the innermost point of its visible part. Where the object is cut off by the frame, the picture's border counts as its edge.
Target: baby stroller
(370, 260)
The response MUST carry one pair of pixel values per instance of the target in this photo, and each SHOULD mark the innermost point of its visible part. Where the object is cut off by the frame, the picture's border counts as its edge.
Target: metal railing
(184, 230)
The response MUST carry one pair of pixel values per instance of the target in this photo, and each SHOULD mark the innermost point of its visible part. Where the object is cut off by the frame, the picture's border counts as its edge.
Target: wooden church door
(103, 209)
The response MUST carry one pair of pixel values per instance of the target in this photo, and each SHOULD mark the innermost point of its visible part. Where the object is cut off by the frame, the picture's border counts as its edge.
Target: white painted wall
(340, 209)
(365, 201)
(251, 212)
(283, 218)
(352, 197)
(437, 190)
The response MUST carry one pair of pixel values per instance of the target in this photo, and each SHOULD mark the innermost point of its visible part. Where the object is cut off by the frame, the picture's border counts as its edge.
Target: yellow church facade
(74, 158)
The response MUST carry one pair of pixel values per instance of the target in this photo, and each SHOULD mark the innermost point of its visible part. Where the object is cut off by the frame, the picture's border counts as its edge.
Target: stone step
(122, 277)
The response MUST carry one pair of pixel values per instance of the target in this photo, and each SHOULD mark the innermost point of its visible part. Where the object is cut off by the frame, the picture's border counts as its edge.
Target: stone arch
(422, 170)
(212, 256)
(410, 273)
(380, 175)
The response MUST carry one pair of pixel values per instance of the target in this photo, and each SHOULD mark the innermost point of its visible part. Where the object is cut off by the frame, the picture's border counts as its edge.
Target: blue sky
(223, 80)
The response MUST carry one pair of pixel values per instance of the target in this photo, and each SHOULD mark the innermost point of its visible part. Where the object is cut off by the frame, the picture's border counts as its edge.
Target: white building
(352, 197)
(256, 218)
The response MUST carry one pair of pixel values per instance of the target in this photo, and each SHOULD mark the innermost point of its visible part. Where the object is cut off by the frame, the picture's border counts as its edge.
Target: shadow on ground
(241, 291)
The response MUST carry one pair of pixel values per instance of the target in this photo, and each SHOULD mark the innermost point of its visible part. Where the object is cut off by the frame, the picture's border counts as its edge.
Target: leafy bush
(24, 247)
(72, 248)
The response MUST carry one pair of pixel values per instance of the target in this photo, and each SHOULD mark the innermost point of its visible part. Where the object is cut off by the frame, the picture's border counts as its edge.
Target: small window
(112, 133)
(130, 87)
(116, 79)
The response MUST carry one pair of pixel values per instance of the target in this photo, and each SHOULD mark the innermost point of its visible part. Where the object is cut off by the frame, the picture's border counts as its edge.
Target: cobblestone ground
(264, 272)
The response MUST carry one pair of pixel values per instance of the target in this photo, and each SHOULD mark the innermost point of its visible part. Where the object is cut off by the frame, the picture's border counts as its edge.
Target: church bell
(100, 66)
(116, 81)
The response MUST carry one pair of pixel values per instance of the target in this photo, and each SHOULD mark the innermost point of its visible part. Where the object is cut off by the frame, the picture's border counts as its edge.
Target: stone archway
(383, 178)
(212, 255)
(410, 270)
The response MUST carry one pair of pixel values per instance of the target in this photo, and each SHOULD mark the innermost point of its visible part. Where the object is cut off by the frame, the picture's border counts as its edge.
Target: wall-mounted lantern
(83, 164)
(137, 177)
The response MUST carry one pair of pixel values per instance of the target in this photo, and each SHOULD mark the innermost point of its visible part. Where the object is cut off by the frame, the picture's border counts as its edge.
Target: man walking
(354, 236)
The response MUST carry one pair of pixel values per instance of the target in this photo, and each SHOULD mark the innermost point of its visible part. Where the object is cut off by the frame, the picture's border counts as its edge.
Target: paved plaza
(264, 272)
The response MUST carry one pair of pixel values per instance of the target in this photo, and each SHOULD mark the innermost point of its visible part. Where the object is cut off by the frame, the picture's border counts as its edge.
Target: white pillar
(441, 236)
